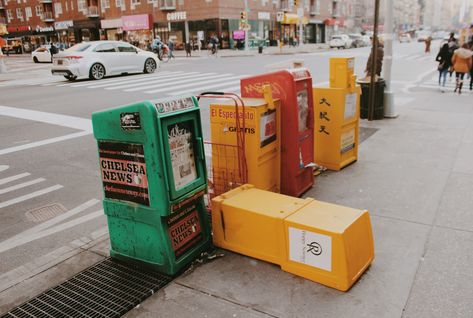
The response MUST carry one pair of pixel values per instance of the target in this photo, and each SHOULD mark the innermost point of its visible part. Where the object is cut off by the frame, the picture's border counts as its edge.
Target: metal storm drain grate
(45, 213)
(107, 289)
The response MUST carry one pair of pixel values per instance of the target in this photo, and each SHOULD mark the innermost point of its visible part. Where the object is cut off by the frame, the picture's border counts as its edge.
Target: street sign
(279, 16)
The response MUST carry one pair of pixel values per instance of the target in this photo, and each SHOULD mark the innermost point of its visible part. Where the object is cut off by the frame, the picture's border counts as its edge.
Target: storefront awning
(291, 18)
(111, 24)
(337, 22)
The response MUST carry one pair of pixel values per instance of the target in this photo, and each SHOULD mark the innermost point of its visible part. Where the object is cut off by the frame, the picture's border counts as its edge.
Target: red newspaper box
(294, 89)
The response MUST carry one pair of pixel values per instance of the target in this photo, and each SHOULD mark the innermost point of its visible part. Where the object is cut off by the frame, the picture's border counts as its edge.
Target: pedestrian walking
(462, 62)
(3, 68)
(428, 42)
(53, 50)
(188, 49)
(444, 57)
(471, 69)
(171, 48)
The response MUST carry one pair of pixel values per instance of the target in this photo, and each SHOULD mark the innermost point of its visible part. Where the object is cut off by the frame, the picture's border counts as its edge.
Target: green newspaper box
(153, 172)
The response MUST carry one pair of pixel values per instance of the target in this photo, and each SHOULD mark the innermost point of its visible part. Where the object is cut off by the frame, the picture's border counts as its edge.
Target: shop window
(105, 48)
(39, 10)
(167, 4)
(81, 5)
(28, 13)
(105, 4)
(284, 5)
(9, 15)
(125, 48)
(57, 8)
(315, 7)
(19, 14)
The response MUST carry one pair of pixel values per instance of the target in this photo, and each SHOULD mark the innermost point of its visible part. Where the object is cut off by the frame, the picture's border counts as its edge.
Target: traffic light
(243, 15)
(296, 3)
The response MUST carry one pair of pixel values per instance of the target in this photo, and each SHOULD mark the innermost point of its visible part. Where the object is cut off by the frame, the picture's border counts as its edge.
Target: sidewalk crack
(226, 300)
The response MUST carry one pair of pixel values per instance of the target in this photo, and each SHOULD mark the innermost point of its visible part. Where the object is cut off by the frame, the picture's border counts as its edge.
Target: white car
(340, 41)
(98, 59)
(405, 38)
(41, 54)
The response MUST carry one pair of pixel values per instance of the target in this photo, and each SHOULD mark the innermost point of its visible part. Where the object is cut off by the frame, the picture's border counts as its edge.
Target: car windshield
(336, 37)
(81, 47)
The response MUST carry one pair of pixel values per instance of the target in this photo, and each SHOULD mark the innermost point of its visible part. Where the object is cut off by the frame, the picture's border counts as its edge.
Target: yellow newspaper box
(336, 129)
(326, 243)
(262, 143)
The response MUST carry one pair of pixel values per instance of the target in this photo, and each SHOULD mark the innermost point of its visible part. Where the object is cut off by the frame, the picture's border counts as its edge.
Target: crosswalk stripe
(231, 89)
(173, 82)
(111, 80)
(133, 80)
(30, 196)
(194, 83)
(156, 82)
(203, 88)
(21, 185)
(106, 80)
(13, 178)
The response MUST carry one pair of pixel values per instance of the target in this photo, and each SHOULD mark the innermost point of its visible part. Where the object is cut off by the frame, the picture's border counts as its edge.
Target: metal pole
(389, 109)
(374, 55)
(247, 48)
(300, 12)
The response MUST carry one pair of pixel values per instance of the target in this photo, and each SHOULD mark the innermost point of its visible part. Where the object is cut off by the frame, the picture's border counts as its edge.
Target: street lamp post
(247, 48)
(389, 109)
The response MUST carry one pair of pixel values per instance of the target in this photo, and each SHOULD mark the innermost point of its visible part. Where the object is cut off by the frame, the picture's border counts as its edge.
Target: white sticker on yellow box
(310, 248)
(350, 106)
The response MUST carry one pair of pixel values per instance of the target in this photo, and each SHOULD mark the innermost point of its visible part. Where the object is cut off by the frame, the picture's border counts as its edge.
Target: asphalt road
(50, 187)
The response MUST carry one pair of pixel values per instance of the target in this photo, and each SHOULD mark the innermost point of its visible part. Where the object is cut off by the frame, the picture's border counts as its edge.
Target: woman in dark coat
(444, 57)
(379, 60)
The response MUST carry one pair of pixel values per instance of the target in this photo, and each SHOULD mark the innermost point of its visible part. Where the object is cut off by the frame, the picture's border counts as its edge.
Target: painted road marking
(30, 196)
(231, 82)
(9, 244)
(13, 178)
(190, 84)
(176, 83)
(48, 118)
(44, 142)
(21, 185)
(57, 219)
(158, 83)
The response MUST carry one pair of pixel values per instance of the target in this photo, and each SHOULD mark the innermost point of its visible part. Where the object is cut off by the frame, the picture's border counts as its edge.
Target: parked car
(41, 54)
(366, 40)
(405, 38)
(356, 40)
(98, 59)
(340, 41)
(422, 36)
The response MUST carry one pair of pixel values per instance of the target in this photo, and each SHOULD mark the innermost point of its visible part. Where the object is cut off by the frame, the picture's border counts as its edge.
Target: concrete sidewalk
(414, 175)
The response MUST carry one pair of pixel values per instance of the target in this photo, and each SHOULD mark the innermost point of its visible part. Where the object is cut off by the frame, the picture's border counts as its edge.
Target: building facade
(36, 22)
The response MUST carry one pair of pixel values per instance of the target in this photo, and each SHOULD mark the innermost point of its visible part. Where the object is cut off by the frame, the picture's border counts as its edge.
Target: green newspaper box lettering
(153, 172)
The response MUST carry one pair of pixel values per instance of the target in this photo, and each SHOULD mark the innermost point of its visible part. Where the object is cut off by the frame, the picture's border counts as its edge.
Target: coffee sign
(177, 16)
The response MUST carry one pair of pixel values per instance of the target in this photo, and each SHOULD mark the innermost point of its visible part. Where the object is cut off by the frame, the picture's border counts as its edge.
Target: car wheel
(150, 66)
(97, 71)
(35, 59)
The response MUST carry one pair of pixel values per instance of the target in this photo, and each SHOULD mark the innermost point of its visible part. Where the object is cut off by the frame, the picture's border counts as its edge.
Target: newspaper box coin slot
(154, 178)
